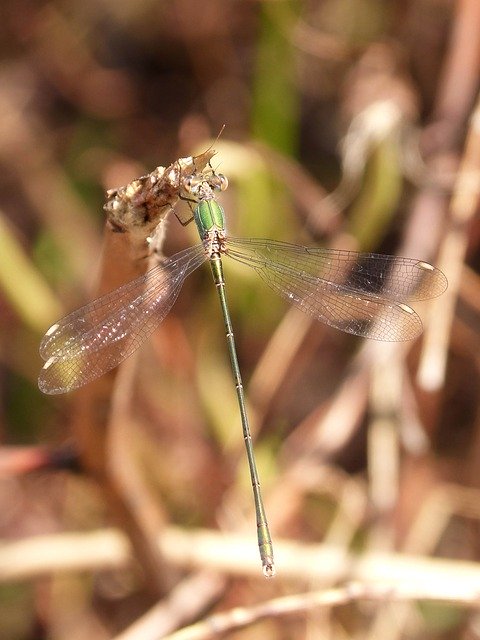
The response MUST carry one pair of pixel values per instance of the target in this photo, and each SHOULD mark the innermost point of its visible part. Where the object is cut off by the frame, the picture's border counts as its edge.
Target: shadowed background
(347, 124)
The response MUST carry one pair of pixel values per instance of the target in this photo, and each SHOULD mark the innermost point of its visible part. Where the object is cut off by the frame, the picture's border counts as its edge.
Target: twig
(184, 602)
(240, 617)
(452, 255)
(234, 554)
(457, 88)
(135, 213)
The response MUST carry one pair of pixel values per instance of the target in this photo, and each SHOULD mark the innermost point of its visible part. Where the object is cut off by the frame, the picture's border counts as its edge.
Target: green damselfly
(362, 294)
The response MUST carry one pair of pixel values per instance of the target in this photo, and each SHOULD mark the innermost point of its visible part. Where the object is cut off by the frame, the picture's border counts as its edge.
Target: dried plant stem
(183, 603)
(463, 207)
(427, 578)
(240, 617)
(135, 213)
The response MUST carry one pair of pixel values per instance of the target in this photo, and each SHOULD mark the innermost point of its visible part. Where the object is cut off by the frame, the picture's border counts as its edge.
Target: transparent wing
(357, 293)
(97, 337)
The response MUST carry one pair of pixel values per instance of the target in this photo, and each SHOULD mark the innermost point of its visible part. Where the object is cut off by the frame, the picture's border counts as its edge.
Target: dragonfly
(360, 293)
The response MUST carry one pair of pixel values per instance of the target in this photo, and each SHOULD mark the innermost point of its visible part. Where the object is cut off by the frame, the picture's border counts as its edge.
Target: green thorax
(209, 216)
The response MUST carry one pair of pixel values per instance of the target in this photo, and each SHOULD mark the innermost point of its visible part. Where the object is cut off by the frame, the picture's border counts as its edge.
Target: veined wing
(97, 337)
(362, 294)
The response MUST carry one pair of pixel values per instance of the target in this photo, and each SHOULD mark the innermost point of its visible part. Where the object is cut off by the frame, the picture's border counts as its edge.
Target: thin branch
(234, 554)
(240, 617)
(463, 208)
(184, 603)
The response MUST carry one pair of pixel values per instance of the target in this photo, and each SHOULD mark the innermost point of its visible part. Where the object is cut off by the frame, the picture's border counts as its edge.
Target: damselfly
(362, 294)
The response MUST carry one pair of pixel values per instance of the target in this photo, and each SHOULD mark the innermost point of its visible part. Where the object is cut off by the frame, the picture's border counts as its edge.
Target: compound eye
(188, 183)
(223, 181)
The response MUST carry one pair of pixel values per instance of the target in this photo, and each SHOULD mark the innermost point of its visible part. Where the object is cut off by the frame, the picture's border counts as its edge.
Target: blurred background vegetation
(346, 124)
